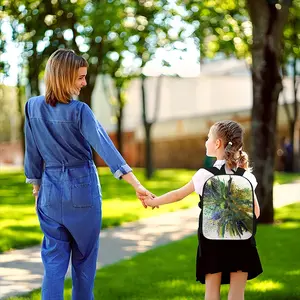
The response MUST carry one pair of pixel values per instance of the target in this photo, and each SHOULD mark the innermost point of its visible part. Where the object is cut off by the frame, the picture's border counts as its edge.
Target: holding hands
(150, 201)
(141, 192)
(145, 197)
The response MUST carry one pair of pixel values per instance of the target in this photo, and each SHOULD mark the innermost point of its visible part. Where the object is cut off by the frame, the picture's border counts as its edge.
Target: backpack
(227, 206)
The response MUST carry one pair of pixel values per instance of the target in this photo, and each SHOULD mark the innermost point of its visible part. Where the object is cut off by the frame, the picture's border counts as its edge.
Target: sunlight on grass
(292, 273)
(19, 222)
(282, 178)
(168, 272)
(19, 226)
(264, 286)
(289, 225)
(172, 283)
(284, 213)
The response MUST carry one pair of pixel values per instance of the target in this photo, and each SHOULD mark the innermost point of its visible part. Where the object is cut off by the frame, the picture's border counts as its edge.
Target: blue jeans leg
(83, 272)
(55, 255)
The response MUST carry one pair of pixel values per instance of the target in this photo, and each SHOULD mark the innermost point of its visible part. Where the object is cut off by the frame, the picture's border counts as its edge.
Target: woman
(59, 134)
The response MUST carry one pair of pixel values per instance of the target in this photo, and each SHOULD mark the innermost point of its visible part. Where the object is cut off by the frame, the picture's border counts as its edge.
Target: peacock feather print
(227, 208)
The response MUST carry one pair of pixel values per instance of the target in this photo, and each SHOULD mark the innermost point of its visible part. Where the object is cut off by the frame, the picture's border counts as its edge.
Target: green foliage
(225, 27)
(292, 34)
(221, 27)
(104, 32)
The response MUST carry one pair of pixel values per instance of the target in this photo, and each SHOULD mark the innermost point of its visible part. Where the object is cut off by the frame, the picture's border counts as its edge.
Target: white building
(223, 88)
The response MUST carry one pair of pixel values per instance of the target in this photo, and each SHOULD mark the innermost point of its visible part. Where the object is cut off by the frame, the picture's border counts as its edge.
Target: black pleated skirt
(214, 256)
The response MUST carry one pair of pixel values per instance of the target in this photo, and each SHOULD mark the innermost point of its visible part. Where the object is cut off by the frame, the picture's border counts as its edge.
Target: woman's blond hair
(60, 75)
(231, 133)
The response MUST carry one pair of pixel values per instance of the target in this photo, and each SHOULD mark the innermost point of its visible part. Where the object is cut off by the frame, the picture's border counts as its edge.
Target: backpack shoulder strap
(215, 170)
(240, 171)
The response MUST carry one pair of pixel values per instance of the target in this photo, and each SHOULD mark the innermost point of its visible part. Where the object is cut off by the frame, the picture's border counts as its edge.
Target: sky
(12, 52)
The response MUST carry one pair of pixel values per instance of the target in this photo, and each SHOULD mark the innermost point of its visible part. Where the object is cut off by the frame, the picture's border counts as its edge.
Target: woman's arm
(98, 138)
(33, 162)
(172, 196)
(132, 180)
(256, 207)
(141, 192)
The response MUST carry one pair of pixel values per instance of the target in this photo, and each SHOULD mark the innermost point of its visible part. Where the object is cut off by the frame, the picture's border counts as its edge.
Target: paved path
(21, 270)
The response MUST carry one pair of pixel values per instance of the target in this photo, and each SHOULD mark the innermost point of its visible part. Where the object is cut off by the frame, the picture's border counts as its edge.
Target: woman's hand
(36, 198)
(35, 193)
(143, 193)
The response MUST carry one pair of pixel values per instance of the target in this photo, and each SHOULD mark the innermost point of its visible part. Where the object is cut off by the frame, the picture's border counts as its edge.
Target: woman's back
(57, 131)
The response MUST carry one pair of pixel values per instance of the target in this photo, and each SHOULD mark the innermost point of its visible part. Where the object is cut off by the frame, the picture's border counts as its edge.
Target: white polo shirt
(202, 175)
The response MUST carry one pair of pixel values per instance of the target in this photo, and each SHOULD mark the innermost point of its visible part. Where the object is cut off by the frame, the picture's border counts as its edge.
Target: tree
(225, 27)
(268, 28)
(115, 67)
(291, 58)
(152, 31)
(85, 26)
(95, 30)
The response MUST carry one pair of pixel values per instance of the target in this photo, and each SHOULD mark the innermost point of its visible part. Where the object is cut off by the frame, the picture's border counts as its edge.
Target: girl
(59, 133)
(221, 261)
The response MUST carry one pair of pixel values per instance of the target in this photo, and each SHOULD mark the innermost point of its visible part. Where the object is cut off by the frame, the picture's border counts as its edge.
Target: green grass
(168, 272)
(282, 178)
(19, 226)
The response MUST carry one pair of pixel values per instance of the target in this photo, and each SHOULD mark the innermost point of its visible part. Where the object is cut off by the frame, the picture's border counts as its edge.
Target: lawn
(282, 178)
(168, 272)
(19, 226)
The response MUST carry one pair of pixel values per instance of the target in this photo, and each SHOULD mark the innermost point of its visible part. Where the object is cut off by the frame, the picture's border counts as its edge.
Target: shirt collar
(219, 162)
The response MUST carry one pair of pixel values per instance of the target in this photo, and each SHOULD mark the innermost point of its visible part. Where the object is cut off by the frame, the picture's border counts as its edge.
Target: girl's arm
(256, 207)
(172, 196)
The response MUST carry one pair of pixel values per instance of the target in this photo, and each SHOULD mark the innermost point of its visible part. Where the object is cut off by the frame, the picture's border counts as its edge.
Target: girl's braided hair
(231, 133)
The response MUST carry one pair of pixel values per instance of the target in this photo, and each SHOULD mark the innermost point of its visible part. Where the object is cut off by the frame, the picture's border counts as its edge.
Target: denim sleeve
(97, 137)
(33, 162)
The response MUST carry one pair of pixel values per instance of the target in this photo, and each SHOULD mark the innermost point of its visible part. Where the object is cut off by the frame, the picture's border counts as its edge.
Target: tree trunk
(268, 23)
(22, 118)
(296, 113)
(148, 146)
(147, 127)
(120, 120)
(33, 74)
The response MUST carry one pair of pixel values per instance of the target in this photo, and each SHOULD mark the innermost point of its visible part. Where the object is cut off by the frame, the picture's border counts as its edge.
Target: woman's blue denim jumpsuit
(58, 157)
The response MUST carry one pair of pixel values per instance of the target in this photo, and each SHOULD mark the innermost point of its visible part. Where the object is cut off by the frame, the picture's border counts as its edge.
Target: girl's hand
(143, 193)
(149, 201)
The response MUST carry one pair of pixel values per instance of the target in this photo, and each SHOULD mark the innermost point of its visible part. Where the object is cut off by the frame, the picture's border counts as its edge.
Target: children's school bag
(227, 206)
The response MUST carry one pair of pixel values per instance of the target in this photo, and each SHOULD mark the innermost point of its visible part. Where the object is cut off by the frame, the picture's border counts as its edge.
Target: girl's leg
(212, 286)
(237, 285)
